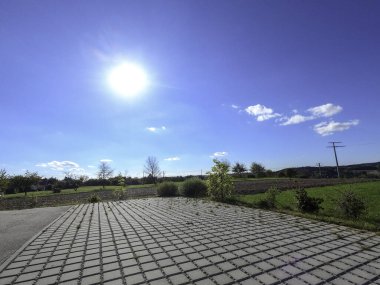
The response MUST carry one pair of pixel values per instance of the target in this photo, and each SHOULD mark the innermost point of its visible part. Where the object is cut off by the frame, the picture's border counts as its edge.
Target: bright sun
(128, 79)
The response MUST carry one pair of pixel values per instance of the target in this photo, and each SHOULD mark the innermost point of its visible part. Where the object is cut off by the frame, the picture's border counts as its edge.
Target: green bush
(351, 205)
(269, 201)
(167, 189)
(307, 204)
(94, 198)
(120, 194)
(219, 183)
(194, 187)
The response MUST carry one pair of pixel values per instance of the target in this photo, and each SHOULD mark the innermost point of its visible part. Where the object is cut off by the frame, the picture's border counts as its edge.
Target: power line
(334, 146)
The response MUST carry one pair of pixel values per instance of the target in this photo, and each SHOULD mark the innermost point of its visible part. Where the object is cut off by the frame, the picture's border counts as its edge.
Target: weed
(351, 205)
(305, 203)
(94, 198)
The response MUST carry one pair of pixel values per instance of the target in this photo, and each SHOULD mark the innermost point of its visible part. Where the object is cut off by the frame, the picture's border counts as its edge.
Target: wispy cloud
(156, 129)
(174, 158)
(106, 160)
(91, 166)
(326, 110)
(219, 154)
(61, 166)
(233, 106)
(329, 128)
(261, 112)
(295, 119)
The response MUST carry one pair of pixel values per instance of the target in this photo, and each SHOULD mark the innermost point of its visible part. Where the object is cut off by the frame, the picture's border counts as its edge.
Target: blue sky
(265, 81)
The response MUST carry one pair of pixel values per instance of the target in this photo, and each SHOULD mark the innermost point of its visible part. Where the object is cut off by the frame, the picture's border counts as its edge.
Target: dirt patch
(259, 186)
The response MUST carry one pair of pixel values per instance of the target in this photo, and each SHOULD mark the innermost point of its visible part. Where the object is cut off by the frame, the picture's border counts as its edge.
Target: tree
(239, 169)
(257, 169)
(152, 168)
(4, 180)
(26, 181)
(219, 182)
(104, 172)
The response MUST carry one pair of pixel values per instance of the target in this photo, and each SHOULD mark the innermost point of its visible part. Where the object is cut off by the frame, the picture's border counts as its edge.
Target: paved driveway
(179, 241)
(18, 226)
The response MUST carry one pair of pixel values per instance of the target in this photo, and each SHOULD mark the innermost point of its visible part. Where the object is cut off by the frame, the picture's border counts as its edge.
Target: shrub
(219, 182)
(269, 201)
(167, 189)
(351, 205)
(120, 194)
(305, 203)
(194, 187)
(94, 198)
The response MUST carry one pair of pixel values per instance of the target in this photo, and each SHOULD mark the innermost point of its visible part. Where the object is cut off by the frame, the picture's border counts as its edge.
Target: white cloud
(261, 112)
(106, 160)
(60, 165)
(233, 106)
(326, 110)
(90, 166)
(295, 119)
(172, 158)
(156, 129)
(219, 154)
(329, 128)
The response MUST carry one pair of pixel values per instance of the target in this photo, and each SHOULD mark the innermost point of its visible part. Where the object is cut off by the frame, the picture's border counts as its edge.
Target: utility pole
(334, 146)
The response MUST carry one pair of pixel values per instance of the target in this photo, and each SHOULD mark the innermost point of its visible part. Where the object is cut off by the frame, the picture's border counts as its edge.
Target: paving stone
(161, 241)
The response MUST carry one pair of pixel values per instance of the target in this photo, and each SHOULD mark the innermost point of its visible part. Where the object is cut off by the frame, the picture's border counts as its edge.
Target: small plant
(34, 202)
(194, 187)
(120, 194)
(94, 198)
(307, 204)
(351, 205)
(167, 189)
(269, 201)
(219, 182)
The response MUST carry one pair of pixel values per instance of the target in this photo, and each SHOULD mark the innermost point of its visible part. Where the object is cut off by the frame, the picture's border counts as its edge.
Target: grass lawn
(369, 191)
(70, 191)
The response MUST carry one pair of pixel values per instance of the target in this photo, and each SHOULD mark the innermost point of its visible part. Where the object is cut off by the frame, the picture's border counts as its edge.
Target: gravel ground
(184, 241)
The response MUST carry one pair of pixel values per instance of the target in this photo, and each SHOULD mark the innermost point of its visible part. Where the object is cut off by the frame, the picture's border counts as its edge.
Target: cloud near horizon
(61, 166)
(106, 160)
(329, 128)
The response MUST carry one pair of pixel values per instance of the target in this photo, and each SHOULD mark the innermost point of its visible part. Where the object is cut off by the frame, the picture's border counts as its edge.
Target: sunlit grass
(369, 191)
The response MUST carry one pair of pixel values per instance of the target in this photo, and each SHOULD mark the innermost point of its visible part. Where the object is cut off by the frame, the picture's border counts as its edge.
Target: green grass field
(70, 191)
(369, 191)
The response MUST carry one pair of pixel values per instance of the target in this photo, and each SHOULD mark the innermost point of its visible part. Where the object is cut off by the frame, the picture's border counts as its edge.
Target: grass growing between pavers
(71, 191)
(369, 191)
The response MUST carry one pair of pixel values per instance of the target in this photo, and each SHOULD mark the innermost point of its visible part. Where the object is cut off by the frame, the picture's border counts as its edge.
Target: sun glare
(128, 79)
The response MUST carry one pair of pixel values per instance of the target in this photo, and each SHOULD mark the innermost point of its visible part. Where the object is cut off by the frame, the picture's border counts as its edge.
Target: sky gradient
(265, 81)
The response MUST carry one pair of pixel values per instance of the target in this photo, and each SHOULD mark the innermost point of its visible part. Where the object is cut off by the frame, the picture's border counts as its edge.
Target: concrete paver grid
(179, 241)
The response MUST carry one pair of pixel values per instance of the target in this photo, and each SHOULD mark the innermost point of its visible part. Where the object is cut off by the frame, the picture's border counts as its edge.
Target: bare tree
(104, 172)
(152, 168)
